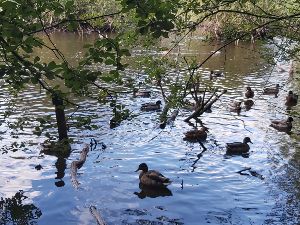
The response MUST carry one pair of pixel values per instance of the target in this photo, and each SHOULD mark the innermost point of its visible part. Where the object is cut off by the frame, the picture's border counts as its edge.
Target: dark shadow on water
(153, 192)
(229, 155)
(62, 152)
(13, 211)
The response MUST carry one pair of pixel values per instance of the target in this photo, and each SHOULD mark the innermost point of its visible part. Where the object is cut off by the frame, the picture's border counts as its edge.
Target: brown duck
(238, 147)
(215, 74)
(271, 91)
(141, 93)
(235, 107)
(248, 104)
(282, 125)
(152, 178)
(291, 99)
(151, 106)
(196, 135)
(249, 93)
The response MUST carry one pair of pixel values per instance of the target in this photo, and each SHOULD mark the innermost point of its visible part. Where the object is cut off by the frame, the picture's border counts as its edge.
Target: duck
(249, 93)
(192, 105)
(282, 125)
(248, 104)
(215, 74)
(291, 99)
(235, 107)
(271, 91)
(238, 147)
(151, 106)
(152, 178)
(196, 135)
(141, 93)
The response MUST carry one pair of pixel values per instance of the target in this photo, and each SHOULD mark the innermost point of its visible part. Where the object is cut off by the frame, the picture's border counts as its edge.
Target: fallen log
(75, 165)
(97, 215)
(208, 104)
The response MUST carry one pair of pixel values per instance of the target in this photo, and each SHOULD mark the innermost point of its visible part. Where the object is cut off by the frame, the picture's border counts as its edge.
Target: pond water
(206, 188)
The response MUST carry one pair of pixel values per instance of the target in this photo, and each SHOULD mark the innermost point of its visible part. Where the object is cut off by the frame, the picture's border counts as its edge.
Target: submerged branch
(97, 215)
(77, 165)
(201, 110)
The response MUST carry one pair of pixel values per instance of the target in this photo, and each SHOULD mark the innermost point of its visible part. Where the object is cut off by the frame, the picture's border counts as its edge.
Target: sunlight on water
(207, 188)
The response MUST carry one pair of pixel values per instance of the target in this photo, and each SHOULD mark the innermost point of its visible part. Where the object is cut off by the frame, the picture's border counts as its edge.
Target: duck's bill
(137, 170)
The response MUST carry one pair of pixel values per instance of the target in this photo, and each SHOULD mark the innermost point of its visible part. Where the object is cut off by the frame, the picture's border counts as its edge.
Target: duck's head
(143, 167)
(248, 88)
(277, 85)
(158, 102)
(290, 93)
(247, 140)
(290, 119)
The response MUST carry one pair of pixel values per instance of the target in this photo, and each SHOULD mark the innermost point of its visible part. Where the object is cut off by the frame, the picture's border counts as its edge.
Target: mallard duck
(249, 93)
(152, 178)
(196, 135)
(215, 74)
(271, 91)
(235, 107)
(282, 125)
(291, 99)
(248, 104)
(238, 147)
(192, 105)
(151, 106)
(141, 93)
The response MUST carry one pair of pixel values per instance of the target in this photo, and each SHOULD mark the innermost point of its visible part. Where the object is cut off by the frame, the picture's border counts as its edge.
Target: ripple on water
(206, 188)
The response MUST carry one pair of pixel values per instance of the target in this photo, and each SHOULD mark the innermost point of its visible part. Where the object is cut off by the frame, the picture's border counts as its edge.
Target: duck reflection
(152, 192)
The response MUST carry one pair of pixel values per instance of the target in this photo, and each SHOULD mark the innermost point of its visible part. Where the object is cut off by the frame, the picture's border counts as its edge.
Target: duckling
(238, 147)
(271, 91)
(196, 135)
(291, 99)
(283, 125)
(152, 178)
(235, 107)
(249, 93)
(248, 104)
(141, 93)
(151, 106)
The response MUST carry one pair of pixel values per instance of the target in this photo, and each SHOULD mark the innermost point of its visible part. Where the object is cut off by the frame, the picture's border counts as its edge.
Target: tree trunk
(60, 117)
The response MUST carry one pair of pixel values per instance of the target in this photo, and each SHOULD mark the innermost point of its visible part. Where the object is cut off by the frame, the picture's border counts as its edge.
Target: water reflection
(225, 196)
(62, 151)
(153, 192)
(15, 211)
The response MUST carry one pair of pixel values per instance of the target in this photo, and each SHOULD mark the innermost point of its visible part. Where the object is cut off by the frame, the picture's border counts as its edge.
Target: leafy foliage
(138, 23)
